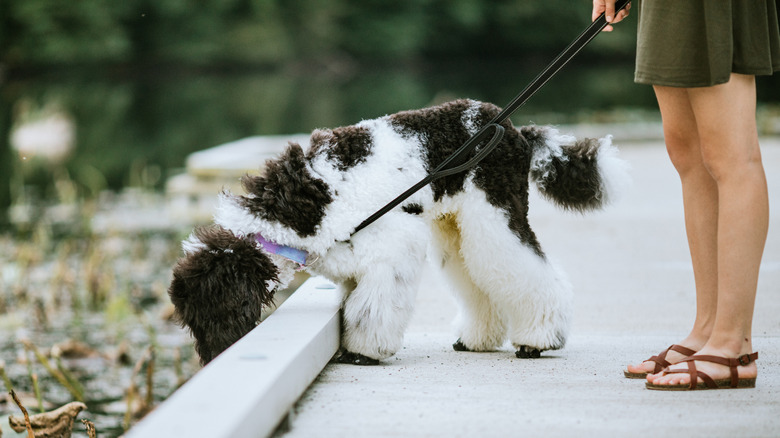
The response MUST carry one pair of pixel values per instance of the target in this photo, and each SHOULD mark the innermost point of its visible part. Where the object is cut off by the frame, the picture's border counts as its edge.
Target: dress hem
(681, 81)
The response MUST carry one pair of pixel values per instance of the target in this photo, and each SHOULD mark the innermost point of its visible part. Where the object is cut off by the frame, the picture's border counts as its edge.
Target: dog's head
(286, 194)
(220, 287)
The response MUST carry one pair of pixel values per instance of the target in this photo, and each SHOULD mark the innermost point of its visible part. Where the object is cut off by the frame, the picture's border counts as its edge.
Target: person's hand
(607, 7)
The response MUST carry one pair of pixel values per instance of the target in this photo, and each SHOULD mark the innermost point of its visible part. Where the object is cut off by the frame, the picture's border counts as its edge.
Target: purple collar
(297, 255)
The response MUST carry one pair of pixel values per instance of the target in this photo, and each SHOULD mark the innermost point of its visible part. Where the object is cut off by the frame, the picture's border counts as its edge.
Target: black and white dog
(306, 204)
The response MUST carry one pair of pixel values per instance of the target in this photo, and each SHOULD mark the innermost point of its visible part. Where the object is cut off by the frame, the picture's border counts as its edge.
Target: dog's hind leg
(540, 315)
(532, 294)
(387, 260)
(479, 325)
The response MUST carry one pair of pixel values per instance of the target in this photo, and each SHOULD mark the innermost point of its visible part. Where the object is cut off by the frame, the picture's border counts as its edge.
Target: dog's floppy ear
(220, 287)
(287, 193)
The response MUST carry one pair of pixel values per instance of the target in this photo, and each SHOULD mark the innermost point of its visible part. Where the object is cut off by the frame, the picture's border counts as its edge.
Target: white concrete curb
(248, 389)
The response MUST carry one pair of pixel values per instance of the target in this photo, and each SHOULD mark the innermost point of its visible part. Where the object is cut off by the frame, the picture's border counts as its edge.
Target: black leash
(456, 162)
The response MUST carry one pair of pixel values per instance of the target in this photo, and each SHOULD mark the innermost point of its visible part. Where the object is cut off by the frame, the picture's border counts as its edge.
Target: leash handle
(562, 59)
(459, 155)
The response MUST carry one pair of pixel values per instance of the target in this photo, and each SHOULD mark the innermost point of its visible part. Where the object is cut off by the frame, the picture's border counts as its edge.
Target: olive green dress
(699, 43)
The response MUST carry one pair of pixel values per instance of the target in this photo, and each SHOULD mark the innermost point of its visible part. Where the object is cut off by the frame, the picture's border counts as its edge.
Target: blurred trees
(52, 32)
(261, 32)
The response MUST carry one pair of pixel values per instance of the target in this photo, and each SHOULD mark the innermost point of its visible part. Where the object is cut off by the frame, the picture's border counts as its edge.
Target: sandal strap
(694, 375)
(660, 360)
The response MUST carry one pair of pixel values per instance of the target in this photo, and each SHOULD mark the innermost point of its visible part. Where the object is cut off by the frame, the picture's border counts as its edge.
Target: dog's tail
(219, 288)
(579, 175)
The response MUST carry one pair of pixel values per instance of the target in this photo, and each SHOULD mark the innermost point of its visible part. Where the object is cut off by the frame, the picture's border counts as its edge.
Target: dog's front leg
(380, 296)
(375, 315)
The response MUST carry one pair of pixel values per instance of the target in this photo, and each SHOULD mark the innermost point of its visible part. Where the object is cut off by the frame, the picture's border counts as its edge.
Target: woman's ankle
(730, 346)
(696, 340)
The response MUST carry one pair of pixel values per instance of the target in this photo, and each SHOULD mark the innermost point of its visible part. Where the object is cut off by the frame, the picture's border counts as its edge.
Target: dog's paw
(460, 346)
(355, 359)
(526, 352)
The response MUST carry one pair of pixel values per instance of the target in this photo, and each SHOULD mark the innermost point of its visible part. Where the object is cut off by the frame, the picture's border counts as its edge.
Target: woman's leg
(700, 200)
(726, 125)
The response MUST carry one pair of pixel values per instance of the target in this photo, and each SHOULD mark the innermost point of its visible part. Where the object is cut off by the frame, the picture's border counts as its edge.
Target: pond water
(151, 119)
(134, 128)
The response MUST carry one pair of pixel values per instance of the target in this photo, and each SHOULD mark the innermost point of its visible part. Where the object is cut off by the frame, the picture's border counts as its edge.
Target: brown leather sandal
(707, 381)
(660, 361)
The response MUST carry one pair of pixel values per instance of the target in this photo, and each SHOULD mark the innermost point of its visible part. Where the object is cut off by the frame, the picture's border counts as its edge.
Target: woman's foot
(655, 364)
(746, 370)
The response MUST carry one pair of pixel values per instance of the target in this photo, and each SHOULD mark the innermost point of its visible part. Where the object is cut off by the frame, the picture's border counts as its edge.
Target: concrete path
(634, 297)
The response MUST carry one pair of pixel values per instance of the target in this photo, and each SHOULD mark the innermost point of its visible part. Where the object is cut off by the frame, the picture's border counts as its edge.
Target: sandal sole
(722, 384)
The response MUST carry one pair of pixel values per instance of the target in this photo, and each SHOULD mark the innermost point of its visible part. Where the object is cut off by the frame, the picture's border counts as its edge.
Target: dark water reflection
(152, 120)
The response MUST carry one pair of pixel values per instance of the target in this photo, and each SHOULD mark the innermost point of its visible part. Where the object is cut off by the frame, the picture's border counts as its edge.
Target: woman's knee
(680, 131)
(684, 150)
(723, 162)
(726, 125)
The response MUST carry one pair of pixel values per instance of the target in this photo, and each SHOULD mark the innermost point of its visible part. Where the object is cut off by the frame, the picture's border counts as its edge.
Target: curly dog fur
(312, 199)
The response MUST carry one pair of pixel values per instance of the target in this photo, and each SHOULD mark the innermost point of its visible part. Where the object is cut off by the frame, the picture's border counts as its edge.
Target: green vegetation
(263, 32)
